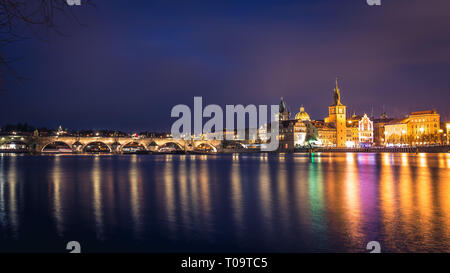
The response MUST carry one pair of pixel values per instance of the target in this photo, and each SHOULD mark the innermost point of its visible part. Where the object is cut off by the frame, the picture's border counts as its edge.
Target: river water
(225, 203)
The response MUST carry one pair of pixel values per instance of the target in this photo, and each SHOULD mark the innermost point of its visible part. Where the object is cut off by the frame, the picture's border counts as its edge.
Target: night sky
(134, 60)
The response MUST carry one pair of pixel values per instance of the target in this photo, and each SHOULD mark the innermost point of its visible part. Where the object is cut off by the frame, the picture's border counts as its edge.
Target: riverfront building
(360, 132)
(379, 128)
(419, 128)
(337, 117)
(424, 127)
(338, 130)
(395, 132)
(334, 131)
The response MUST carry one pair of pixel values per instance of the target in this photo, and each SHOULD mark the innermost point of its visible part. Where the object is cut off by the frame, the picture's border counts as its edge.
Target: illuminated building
(352, 140)
(304, 132)
(326, 133)
(300, 132)
(263, 132)
(359, 132)
(419, 128)
(337, 116)
(365, 131)
(423, 127)
(378, 129)
(286, 131)
(447, 133)
(302, 115)
(286, 135)
(396, 132)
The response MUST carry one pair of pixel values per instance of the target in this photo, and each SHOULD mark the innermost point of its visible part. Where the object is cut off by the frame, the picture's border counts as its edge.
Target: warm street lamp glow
(421, 130)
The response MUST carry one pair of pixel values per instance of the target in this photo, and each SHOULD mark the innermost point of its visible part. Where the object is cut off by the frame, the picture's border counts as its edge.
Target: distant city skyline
(132, 63)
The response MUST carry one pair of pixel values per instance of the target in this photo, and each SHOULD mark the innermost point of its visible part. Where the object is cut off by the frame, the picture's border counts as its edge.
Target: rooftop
(426, 112)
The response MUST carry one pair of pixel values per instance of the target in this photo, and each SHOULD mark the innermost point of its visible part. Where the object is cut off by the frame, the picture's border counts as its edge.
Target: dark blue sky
(134, 60)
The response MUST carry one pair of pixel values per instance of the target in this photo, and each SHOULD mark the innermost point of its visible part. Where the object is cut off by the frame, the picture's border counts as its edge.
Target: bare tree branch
(20, 18)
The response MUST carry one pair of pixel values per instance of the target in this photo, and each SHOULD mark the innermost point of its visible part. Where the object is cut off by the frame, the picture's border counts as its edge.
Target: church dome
(302, 115)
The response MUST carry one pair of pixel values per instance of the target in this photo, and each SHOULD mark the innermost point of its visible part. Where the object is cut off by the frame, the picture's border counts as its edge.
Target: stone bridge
(114, 144)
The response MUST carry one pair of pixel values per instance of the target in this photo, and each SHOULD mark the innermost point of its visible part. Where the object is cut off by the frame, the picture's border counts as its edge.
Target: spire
(337, 94)
(283, 107)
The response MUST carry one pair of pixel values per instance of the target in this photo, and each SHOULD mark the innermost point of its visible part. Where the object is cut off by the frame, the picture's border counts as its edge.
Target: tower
(337, 115)
(284, 112)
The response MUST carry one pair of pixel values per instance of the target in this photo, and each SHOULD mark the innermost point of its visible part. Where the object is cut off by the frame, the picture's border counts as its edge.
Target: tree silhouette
(24, 19)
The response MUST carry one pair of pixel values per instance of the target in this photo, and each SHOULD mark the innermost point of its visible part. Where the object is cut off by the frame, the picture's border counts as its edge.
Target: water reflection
(387, 199)
(169, 195)
(283, 200)
(236, 197)
(316, 202)
(265, 197)
(12, 194)
(135, 195)
(205, 198)
(261, 202)
(351, 198)
(97, 198)
(57, 202)
(2, 193)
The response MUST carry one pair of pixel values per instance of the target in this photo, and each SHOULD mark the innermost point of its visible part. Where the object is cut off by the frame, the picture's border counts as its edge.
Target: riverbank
(421, 149)
(418, 149)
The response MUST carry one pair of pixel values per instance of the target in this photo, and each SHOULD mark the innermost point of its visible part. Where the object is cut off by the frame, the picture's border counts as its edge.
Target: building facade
(360, 132)
(378, 129)
(365, 132)
(326, 133)
(447, 133)
(424, 127)
(418, 128)
(337, 116)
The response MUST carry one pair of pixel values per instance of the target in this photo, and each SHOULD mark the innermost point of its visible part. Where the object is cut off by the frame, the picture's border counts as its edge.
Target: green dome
(302, 115)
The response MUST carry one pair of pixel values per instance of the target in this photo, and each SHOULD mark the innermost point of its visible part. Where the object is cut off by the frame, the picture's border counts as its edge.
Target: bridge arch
(170, 147)
(96, 147)
(56, 146)
(133, 146)
(206, 147)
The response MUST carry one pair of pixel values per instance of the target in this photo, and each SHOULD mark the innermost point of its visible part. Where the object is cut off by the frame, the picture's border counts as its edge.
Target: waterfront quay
(16, 143)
